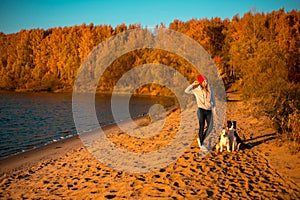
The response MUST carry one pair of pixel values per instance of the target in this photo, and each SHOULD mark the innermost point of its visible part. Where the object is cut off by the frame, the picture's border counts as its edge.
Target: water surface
(31, 120)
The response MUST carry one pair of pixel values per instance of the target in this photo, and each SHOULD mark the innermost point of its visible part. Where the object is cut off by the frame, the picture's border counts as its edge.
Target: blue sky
(26, 14)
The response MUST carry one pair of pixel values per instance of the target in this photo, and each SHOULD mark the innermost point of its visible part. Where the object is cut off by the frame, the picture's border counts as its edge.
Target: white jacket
(204, 100)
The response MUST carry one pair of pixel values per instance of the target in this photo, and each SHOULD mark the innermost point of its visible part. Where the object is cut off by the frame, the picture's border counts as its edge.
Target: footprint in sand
(110, 196)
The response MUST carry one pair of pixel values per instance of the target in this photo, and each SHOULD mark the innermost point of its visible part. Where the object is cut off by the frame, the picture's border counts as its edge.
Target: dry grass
(283, 107)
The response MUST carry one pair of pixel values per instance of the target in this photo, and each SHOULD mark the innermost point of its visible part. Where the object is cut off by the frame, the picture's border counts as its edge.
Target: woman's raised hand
(195, 83)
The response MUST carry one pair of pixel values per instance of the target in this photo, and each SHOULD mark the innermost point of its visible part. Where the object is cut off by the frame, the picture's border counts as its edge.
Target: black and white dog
(229, 138)
(231, 134)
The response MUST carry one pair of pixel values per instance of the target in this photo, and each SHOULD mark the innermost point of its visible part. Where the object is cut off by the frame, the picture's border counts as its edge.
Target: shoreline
(23, 155)
(31, 157)
(53, 150)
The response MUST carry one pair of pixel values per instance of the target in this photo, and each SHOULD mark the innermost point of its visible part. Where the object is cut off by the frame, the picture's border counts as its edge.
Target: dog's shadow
(253, 142)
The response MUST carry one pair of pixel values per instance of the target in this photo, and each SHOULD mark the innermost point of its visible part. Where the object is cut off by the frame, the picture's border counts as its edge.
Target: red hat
(201, 79)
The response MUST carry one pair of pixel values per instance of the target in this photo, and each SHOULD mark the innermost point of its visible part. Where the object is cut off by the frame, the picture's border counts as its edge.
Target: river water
(32, 120)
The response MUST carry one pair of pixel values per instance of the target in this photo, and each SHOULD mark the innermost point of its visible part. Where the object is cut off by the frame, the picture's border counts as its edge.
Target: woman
(206, 103)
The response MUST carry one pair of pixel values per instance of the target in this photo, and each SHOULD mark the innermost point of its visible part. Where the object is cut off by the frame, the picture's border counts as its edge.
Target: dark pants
(203, 115)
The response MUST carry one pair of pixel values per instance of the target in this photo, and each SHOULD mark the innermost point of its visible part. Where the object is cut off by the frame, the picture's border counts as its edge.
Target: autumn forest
(258, 54)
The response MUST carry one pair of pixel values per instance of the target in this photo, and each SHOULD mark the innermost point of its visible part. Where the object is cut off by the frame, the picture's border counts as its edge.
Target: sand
(66, 170)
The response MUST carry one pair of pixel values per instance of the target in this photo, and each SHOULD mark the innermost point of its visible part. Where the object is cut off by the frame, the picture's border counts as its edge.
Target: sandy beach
(66, 170)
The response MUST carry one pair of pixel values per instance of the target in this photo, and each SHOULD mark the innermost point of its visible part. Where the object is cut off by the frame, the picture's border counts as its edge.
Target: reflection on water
(30, 120)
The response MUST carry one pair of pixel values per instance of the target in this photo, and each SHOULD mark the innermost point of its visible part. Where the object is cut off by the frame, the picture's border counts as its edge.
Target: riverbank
(250, 173)
(26, 160)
